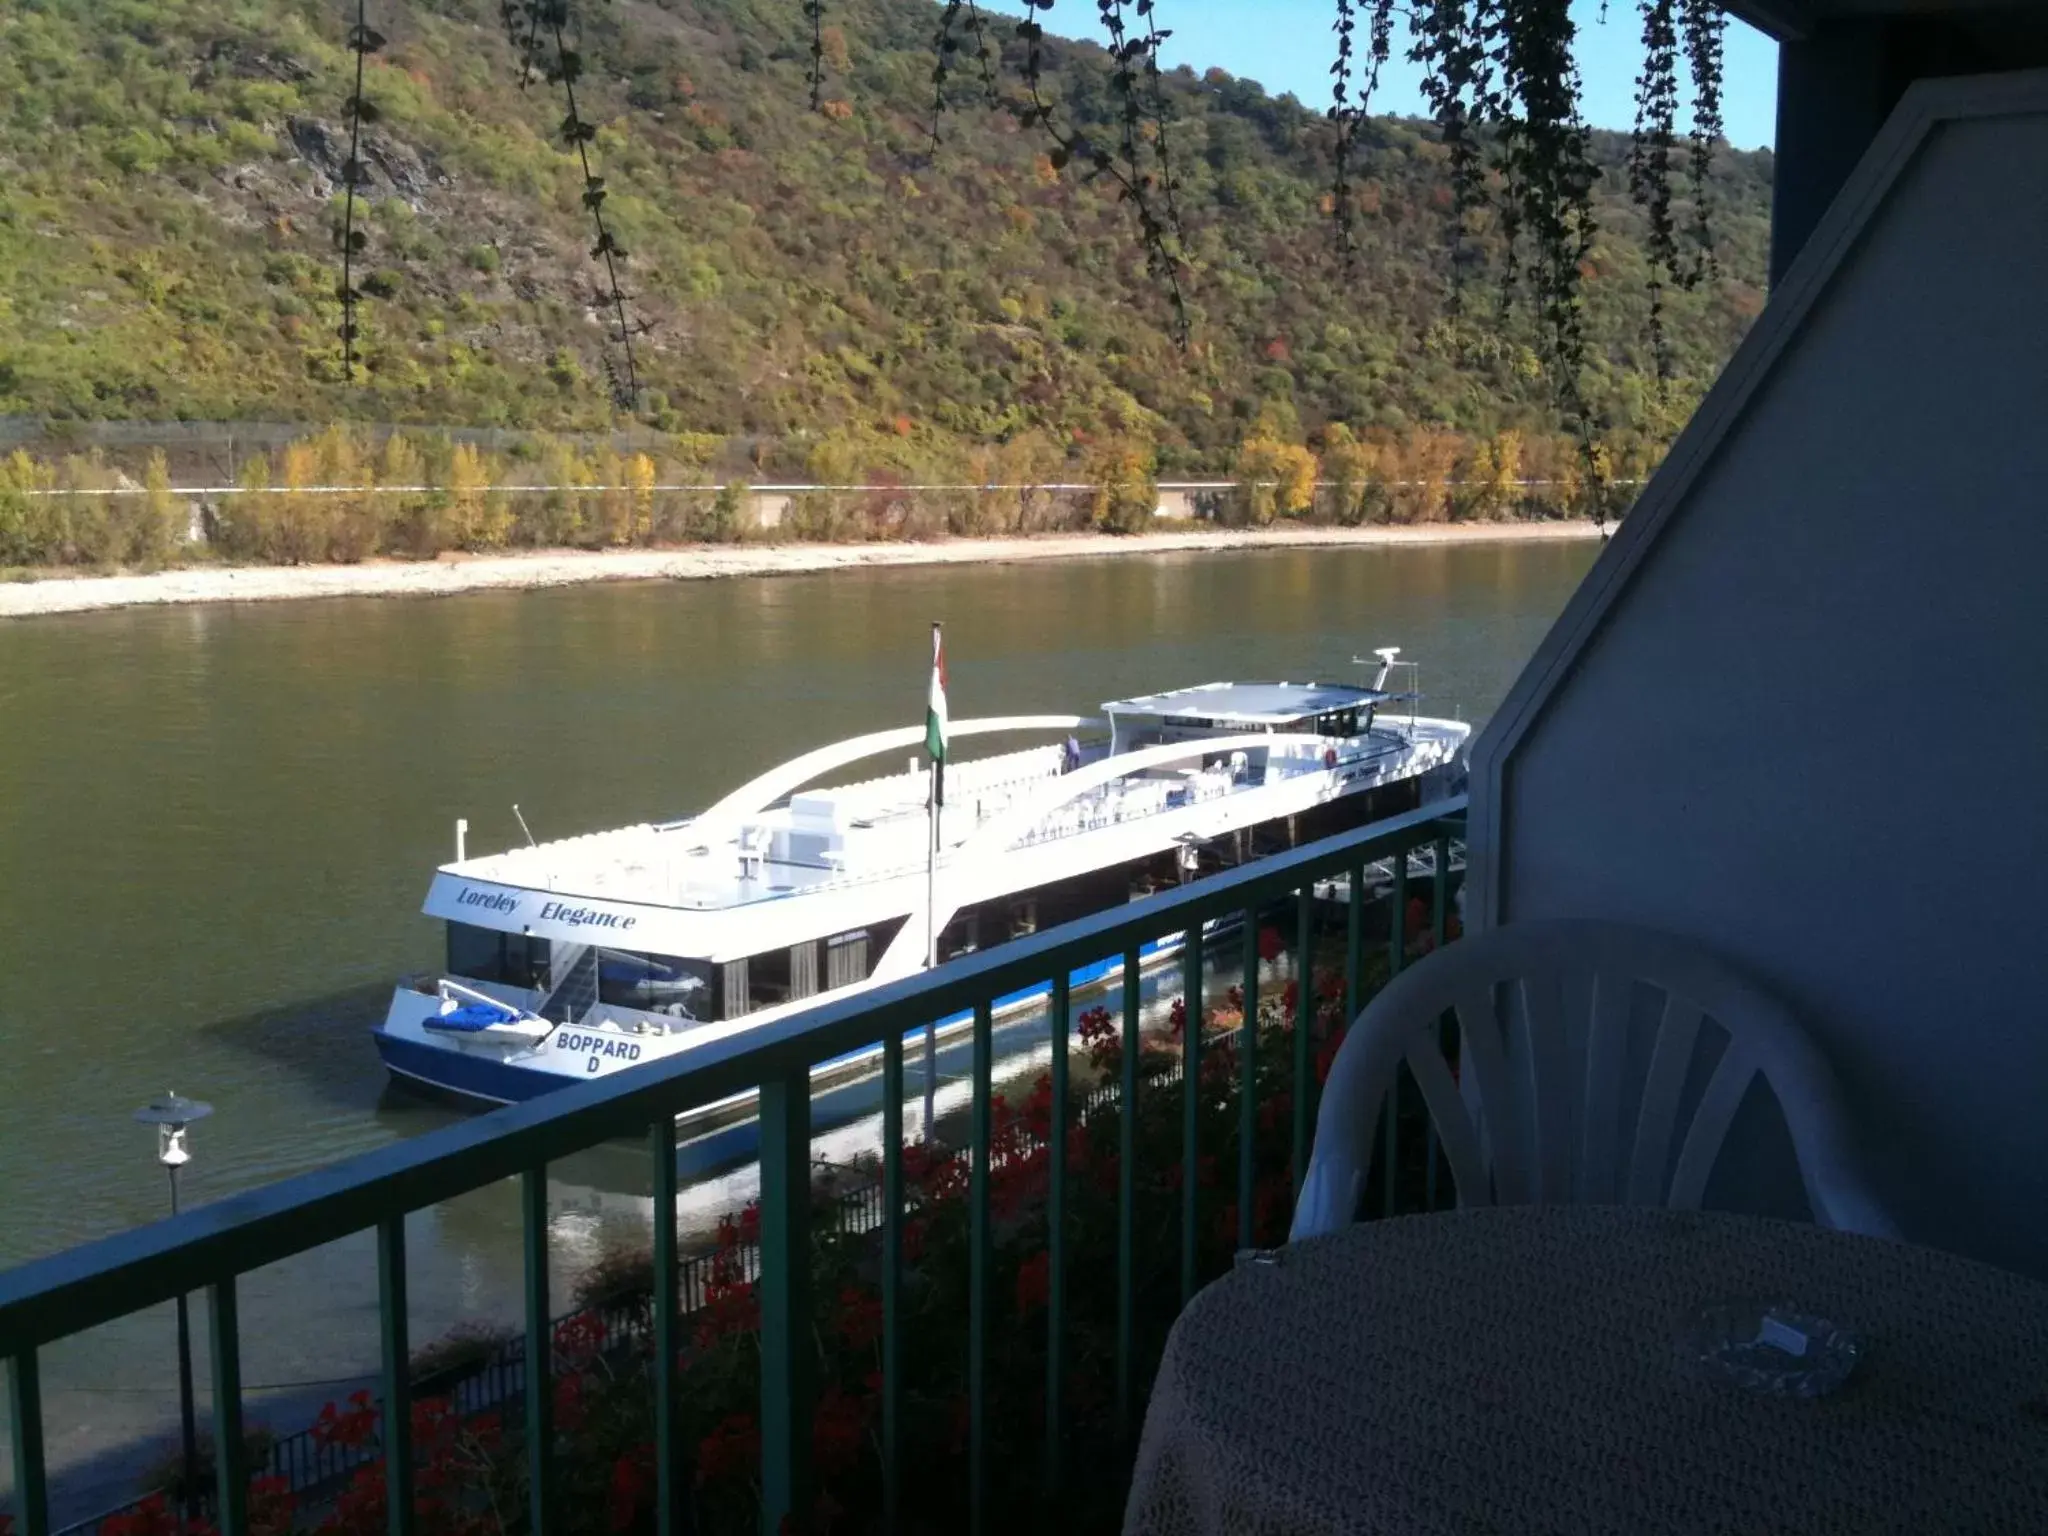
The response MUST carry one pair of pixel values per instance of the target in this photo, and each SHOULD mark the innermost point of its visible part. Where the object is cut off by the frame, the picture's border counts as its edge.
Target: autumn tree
(1126, 493)
(160, 529)
(1275, 479)
(476, 514)
(1348, 466)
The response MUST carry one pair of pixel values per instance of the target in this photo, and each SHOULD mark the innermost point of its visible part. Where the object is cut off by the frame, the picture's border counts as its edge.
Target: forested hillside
(821, 289)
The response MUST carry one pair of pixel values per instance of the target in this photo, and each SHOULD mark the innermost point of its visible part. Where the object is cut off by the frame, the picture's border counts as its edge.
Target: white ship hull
(601, 954)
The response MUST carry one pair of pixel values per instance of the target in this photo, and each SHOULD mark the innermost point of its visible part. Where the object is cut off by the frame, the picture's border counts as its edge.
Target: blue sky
(1286, 45)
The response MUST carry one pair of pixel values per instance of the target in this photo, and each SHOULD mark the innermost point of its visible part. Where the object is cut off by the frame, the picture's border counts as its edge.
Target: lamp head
(172, 1115)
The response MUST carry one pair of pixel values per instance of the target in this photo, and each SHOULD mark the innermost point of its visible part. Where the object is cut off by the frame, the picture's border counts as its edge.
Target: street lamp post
(171, 1115)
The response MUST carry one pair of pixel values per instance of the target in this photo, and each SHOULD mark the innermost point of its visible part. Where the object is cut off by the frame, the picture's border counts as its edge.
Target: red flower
(152, 1517)
(350, 1427)
(838, 1424)
(1415, 917)
(359, 1509)
(732, 1449)
(1034, 1283)
(579, 1338)
(569, 1407)
(1038, 1108)
(1178, 1016)
(860, 1317)
(1101, 1038)
(1290, 997)
(1270, 945)
(270, 1506)
(632, 1486)
(731, 1306)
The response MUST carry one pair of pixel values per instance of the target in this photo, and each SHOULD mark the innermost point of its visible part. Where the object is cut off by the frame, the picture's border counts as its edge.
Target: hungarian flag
(935, 720)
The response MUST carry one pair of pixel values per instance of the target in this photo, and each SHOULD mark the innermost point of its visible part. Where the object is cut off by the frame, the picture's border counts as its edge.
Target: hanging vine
(1649, 162)
(1161, 118)
(522, 31)
(984, 52)
(546, 22)
(362, 42)
(1135, 184)
(814, 12)
(1453, 43)
(945, 44)
(1705, 27)
(1550, 177)
(1132, 61)
(1346, 114)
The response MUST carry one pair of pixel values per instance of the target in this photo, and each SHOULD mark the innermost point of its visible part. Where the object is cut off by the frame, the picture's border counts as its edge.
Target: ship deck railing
(212, 1249)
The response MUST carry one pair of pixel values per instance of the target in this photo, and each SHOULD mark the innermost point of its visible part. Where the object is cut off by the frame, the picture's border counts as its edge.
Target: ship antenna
(523, 826)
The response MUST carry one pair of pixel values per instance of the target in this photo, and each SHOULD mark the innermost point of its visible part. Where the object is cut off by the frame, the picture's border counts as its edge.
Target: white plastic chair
(1560, 1096)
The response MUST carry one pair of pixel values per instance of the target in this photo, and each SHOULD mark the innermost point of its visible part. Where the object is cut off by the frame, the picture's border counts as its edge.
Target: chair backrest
(1596, 1063)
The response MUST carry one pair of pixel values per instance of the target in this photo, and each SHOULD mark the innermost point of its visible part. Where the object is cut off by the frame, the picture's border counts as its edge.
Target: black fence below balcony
(964, 1347)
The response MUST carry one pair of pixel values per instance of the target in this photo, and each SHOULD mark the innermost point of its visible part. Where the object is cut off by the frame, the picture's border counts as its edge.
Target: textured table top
(1521, 1370)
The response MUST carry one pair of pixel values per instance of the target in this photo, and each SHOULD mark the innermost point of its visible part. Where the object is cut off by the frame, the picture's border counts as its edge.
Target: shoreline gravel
(554, 568)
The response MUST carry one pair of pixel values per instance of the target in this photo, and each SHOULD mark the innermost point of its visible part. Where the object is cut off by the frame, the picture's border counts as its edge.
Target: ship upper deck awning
(1250, 704)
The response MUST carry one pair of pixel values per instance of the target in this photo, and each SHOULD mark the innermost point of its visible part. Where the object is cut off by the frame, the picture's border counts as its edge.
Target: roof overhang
(1791, 20)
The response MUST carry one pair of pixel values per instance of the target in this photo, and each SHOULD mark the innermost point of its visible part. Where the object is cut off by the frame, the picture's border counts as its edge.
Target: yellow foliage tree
(159, 530)
(1126, 494)
(477, 515)
(640, 480)
(1275, 478)
(297, 532)
(614, 499)
(1348, 466)
(1504, 491)
(1420, 484)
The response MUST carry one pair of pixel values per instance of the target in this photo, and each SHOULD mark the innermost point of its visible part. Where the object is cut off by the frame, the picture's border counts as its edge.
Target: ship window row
(779, 976)
(703, 992)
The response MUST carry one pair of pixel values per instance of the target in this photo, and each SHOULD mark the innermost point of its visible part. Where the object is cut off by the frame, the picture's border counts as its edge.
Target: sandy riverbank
(555, 568)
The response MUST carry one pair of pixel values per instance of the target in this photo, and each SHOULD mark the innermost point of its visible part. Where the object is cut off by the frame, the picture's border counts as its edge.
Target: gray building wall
(1800, 709)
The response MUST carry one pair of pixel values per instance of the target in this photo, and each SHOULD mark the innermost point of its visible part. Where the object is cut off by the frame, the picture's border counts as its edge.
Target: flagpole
(931, 949)
(935, 800)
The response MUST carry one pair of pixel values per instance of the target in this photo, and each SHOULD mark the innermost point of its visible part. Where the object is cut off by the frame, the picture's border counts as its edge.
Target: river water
(217, 824)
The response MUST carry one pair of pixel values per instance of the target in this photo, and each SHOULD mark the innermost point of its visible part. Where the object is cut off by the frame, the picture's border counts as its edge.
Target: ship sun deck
(627, 941)
(878, 828)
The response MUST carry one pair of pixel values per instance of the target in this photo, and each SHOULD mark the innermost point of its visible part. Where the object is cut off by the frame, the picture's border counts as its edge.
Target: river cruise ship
(574, 959)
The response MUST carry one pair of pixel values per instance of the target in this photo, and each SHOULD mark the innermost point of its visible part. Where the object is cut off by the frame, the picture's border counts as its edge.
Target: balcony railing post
(1304, 1015)
(1390, 1112)
(230, 1452)
(1127, 1199)
(892, 1278)
(1191, 1104)
(1438, 934)
(1248, 1091)
(788, 1357)
(979, 1262)
(1056, 1241)
(669, 1513)
(397, 1350)
(1354, 940)
(25, 1419)
(540, 1351)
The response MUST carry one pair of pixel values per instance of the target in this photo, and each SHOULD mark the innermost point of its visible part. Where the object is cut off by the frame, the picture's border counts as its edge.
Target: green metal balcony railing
(210, 1249)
